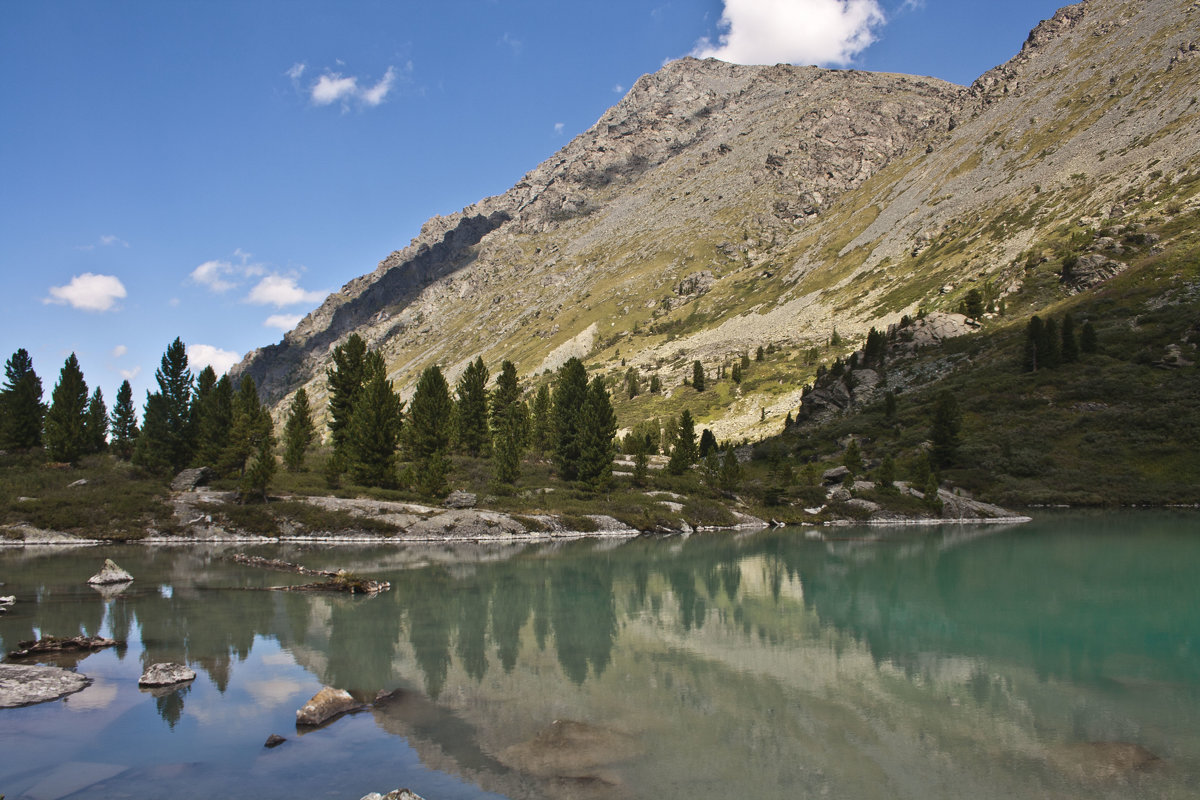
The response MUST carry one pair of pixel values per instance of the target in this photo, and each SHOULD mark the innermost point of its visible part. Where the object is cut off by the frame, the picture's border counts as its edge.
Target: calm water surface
(1059, 659)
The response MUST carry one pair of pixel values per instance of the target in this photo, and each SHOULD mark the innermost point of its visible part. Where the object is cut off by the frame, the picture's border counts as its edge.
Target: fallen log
(56, 644)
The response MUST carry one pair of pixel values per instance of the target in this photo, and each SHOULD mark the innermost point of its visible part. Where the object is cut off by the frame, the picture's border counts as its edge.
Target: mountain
(721, 208)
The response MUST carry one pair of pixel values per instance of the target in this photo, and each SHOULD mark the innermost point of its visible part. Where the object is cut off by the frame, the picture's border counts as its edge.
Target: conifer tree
(206, 381)
(471, 409)
(166, 440)
(1049, 346)
(298, 432)
(510, 425)
(427, 434)
(373, 435)
(655, 384)
(95, 423)
(885, 474)
(1032, 357)
(251, 427)
(344, 380)
(21, 408)
(123, 423)
(759, 355)
(542, 421)
(598, 429)
(1088, 341)
(944, 433)
(641, 462)
(708, 443)
(932, 500)
(852, 458)
(213, 420)
(731, 470)
(632, 387)
(683, 455)
(261, 470)
(1070, 345)
(570, 394)
(66, 439)
(698, 376)
(889, 406)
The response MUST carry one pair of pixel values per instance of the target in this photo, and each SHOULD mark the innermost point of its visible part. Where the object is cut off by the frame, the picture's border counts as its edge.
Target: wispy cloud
(130, 374)
(88, 292)
(119, 351)
(107, 240)
(284, 322)
(558, 128)
(205, 355)
(281, 290)
(513, 44)
(618, 89)
(794, 31)
(221, 275)
(334, 87)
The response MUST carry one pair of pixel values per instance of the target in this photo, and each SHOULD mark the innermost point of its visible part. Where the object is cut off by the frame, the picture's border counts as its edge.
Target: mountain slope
(718, 208)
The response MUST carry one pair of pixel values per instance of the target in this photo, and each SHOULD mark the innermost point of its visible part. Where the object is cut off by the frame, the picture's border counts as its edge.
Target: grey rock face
(459, 499)
(833, 477)
(189, 479)
(324, 706)
(166, 674)
(110, 573)
(25, 685)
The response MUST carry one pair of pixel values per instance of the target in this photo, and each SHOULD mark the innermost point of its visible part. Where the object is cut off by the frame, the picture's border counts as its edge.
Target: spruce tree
(21, 408)
(427, 434)
(1070, 345)
(852, 458)
(471, 409)
(759, 354)
(213, 421)
(124, 425)
(708, 443)
(542, 421)
(655, 384)
(885, 474)
(66, 439)
(1049, 346)
(206, 381)
(166, 440)
(598, 430)
(944, 432)
(683, 455)
(373, 435)
(298, 432)
(731, 470)
(698, 376)
(258, 475)
(632, 387)
(252, 425)
(510, 425)
(95, 423)
(641, 462)
(710, 463)
(344, 380)
(570, 394)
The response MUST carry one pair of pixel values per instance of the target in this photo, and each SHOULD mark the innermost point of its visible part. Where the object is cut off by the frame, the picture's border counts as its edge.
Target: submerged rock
(110, 573)
(569, 749)
(166, 674)
(324, 706)
(23, 685)
(55, 644)
(1103, 761)
(274, 740)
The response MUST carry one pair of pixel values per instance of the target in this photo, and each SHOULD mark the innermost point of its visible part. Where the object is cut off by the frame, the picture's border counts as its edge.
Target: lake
(1058, 659)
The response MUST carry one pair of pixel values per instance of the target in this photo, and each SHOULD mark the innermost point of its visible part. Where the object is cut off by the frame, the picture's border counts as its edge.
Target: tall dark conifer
(166, 440)
(683, 455)
(944, 432)
(597, 431)
(697, 376)
(570, 393)
(123, 423)
(213, 422)
(541, 415)
(252, 426)
(21, 408)
(66, 439)
(427, 434)
(298, 431)
(471, 409)
(345, 381)
(510, 425)
(95, 423)
(1070, 344)
(373, 435)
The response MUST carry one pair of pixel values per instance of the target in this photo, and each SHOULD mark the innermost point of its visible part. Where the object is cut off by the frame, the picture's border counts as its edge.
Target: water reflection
(911, 664)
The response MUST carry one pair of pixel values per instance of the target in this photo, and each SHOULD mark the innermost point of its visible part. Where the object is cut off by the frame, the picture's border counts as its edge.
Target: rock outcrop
(110, 574)
(24, 685)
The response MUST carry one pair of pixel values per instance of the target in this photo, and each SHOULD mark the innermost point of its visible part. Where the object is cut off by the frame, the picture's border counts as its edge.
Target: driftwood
(56, 644)
(339, 580)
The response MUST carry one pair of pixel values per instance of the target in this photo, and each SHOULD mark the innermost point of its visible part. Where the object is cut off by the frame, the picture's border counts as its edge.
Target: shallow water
(1059, 659)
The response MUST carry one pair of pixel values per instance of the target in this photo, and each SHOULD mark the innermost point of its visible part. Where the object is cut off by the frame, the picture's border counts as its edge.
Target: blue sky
(212, 169)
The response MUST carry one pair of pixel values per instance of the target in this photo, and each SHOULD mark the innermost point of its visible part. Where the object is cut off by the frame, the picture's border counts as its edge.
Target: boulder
(833, 477)
(274, 740)
(54, 644)
(1089, 270)
(459, 499)
(324, 706)
(110, 573)
(22, 685)
(166, 674)
(189, 479)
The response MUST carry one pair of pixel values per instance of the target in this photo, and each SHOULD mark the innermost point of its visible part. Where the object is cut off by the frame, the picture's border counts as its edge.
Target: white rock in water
(110, 573)
(325, 705)
(166, 674)
(22, 685)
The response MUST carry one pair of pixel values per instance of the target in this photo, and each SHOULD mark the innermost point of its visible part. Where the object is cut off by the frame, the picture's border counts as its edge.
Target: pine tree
(166, 440)
(759, 355)
(542, 418)
(1049, 346)
(708, 443)
(124, 425)
(710, 463)
(852, 458)
(655, 384)
(889, 406)
(251, 426)
(570, 394)
(66, 439)
(206, 381)
(95, 423)
(698, 376)
(213, 421)
(373, 435)
(932, 500)
(298, 432)
(641, 462)
(258, 475)
(735, 373)
(1070, 345)
(21, 408)
(683, 455)
(427, 434)
(885, 474)
(944, 433)
(731, 470)
(510, 425)
(471, 409)
(632, 388)
(1031, 356)
(344, 381)
(598, 429)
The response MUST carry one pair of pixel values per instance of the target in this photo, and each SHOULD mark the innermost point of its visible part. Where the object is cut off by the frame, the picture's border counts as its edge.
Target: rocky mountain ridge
(719, 207)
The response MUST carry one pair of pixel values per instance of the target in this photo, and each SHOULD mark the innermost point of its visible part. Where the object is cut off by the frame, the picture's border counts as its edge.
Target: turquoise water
(1059, 659)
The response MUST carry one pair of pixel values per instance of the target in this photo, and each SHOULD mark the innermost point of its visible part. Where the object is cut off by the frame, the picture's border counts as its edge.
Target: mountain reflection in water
(1058, 658)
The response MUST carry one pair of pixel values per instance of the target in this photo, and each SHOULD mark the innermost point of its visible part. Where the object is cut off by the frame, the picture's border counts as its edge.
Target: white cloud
(284, 322)
(88, 292)
(108, 240)
(794, 31)
(214, 275)
(334, 87)
(279, 291)
(558, 128)
(296, 71)
(618, 89)
(516, 45)
(119, 351)
(130, 374)
(205, 355)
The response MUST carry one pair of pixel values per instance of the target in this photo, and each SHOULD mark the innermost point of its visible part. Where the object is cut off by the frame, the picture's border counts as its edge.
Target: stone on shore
(324, 706)
(23, 685)
(189, 479)
(460, 499)
(166, 674)
(110, 573)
